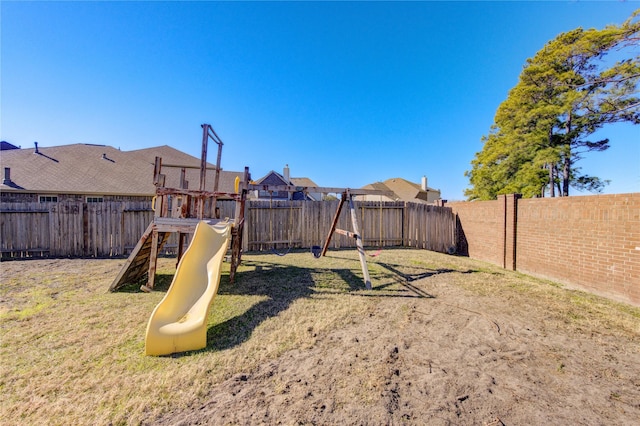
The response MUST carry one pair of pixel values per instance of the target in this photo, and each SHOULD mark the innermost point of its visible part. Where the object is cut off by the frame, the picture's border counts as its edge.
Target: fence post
(405, 225)
(510, 230)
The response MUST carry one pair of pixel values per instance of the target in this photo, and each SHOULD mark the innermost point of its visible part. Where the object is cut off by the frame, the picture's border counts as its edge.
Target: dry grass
(72, 353)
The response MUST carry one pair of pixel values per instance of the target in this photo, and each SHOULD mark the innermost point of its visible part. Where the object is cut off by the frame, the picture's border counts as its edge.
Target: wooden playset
(189, 207)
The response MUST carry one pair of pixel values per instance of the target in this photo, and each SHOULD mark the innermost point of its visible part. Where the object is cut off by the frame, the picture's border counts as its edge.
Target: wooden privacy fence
(74, 229)
(112, 229)
(430, 228)
(278, 225)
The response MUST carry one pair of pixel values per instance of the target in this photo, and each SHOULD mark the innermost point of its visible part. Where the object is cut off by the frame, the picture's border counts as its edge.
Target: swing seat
(277, 253)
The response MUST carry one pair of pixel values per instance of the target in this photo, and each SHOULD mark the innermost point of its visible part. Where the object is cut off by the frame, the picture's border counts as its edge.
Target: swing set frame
(347, 195)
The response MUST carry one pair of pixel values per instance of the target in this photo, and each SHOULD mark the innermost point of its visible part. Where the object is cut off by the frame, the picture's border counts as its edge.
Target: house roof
(272, 178)
(303, 181)
(275, 178)
(403, 189)
(102, 170)
(4, 146)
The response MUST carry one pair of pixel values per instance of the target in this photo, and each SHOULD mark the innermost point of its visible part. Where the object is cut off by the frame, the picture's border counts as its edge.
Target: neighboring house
(275, 178)
(94, 173)
(403, 190)
(5, 146)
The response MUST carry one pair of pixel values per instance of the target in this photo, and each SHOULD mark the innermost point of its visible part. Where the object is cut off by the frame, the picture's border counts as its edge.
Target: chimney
(36, 144)
(7, 176)
(286, 173)
(424, 183)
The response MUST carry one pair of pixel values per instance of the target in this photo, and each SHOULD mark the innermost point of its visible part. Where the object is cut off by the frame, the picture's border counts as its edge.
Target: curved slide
(179, 322)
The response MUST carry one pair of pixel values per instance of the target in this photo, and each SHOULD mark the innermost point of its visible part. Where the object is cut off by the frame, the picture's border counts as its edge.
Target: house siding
(21, 197)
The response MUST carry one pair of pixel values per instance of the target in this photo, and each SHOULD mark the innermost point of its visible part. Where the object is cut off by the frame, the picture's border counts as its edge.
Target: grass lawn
(72, 353)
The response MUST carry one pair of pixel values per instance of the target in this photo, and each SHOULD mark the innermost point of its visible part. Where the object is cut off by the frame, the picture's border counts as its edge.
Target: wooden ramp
(139, 261)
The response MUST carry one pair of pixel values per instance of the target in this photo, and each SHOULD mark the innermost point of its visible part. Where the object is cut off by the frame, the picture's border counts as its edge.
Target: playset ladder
(140, 261)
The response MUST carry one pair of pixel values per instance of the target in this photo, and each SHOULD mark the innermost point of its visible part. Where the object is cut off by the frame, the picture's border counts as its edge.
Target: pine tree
(565, 93)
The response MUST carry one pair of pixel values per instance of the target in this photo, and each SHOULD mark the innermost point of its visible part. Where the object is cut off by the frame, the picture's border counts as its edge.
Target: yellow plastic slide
(179, 322)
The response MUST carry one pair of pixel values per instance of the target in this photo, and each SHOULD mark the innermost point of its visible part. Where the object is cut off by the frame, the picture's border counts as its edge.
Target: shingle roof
(403, 189)
(102, 170)
(275, 178)
(303, 181)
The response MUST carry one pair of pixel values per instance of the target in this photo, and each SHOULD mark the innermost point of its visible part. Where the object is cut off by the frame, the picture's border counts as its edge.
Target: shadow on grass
(280, 285)
(406, 279)
(162, 284)
(284, 284)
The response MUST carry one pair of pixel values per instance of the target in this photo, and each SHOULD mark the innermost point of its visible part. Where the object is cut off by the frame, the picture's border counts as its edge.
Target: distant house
(95, 173)
(275, 178)
(5, 146)
(403, 190)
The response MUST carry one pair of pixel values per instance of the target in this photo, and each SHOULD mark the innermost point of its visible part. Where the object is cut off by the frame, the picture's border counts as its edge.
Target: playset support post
(238, 228)
(346, 195)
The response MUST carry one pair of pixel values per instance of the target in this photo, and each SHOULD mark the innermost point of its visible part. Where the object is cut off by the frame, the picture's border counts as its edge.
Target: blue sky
(346, 93)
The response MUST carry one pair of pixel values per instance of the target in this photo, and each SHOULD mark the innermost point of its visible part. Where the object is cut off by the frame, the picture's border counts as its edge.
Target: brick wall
(481, 229)
(592, 242)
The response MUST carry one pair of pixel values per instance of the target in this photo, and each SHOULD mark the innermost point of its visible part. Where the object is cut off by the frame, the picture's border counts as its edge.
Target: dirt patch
(452, 358)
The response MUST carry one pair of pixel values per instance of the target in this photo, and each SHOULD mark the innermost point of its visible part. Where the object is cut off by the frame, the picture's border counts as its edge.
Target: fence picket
(113, 228)
(382, 225)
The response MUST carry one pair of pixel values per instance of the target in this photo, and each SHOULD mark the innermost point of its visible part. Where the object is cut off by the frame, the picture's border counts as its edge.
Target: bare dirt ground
(464, 344)
(446, 356)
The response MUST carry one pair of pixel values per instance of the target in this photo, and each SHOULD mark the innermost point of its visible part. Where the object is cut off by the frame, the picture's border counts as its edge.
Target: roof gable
(273, 178)
(403, 188)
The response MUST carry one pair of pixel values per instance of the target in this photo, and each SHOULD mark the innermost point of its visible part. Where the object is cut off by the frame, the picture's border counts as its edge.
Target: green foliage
(565, 93)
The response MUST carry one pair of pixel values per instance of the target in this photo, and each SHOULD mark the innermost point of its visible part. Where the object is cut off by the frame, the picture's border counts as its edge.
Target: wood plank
(113, 229)
(361, 254)
(333, 225)
(346, 233)
(293, 188)
(119, 281)
(153, 259)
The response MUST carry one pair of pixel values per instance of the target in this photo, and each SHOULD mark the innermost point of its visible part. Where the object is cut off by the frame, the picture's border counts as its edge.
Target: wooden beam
(157, 169)
(361, 253)
(194, 193)
(346, 233)
(117, 282)
(180, 224)
(293, 188)
(185, 166)
(181, 240)
(153, 259)
(217, 178)
(238, 228)
(203, 156)
(333, 224)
